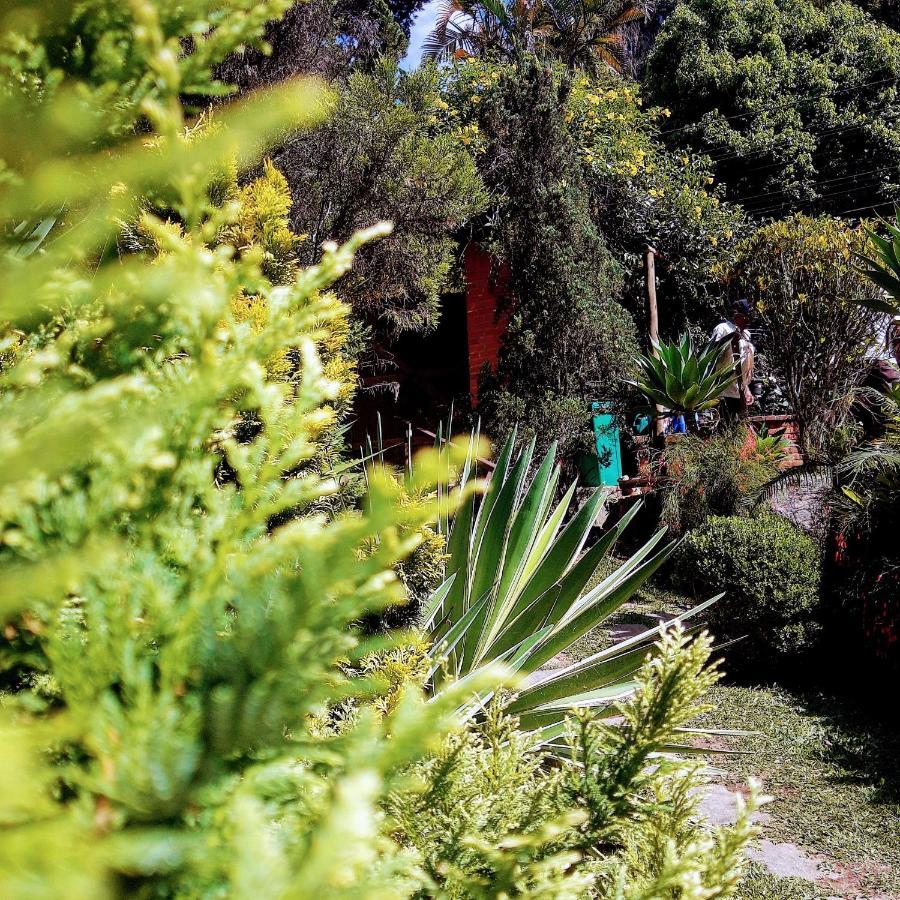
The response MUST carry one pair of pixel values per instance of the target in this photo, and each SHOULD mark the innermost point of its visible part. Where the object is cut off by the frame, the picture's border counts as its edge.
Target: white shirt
(747, 353)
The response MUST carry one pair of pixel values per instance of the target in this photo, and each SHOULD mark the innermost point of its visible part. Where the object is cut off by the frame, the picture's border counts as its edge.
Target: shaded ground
(833, 828)
(834, 822)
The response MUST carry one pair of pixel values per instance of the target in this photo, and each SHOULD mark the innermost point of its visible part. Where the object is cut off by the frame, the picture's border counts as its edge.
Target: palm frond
(877, 457)
(883, 267)
(450, 35)
(610, 50)
(807, 476)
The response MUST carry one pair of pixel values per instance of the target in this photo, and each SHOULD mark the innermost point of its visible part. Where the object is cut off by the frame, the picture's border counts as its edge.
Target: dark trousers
(731, 410)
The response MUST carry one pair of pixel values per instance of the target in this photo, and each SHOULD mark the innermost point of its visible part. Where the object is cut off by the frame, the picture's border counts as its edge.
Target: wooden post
(653, 320)
(652, 309)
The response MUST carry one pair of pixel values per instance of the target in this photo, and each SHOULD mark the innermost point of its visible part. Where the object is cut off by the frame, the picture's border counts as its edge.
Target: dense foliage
(188, 707)
(642, 193)
(769, 572)
(568, 340)
(802, 277)
(867, 483)
(579, 185)
(715, 475)
(386, 152)
(795, 102)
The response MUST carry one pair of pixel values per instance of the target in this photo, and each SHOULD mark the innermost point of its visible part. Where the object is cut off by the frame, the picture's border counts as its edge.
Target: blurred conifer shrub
(187, 709)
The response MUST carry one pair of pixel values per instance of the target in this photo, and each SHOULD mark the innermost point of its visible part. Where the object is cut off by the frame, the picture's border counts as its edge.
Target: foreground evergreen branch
(618, 820)
(187, 707)
(178, 601)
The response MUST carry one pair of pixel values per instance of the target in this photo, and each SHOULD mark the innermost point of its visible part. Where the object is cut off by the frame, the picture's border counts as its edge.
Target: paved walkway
(788, 860)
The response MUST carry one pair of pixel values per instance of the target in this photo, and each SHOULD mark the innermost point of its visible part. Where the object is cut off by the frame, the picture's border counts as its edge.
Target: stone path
(805, 505)
(788, 860)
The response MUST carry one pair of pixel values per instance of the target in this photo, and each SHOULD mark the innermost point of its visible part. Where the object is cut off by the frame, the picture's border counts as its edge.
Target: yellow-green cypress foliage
(167, 650)
(181, 711)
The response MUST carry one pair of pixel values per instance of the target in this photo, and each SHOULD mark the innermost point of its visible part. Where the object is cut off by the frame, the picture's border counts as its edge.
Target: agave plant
(770, 448)
(28, 236)
(883, 267)
(519, 592)
(681, 379)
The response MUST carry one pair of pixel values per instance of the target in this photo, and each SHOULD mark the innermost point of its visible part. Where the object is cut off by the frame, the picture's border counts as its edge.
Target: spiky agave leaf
(518, 592)
(681, 379)
(883, 267)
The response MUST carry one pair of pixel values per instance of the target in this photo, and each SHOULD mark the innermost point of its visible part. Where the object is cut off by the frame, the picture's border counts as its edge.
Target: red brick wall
(788, 428)
(485, 323)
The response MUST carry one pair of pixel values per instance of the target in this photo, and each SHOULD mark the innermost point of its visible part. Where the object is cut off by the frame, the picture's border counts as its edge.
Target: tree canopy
(386, 153)
(795, 102)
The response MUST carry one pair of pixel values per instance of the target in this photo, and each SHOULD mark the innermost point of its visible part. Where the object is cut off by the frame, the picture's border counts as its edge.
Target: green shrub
(769, 573)
(712, 476)
(801, 275)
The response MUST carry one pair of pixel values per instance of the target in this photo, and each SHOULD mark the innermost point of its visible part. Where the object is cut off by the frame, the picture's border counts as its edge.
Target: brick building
(421, 376)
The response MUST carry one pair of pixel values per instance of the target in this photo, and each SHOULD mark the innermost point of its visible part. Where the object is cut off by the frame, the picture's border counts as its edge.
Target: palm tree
(584, 34)
(590, 34)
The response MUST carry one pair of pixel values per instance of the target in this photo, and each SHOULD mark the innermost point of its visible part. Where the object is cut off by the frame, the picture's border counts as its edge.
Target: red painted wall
(485, 322)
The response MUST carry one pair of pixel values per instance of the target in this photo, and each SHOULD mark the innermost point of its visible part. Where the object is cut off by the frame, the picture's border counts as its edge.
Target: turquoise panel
(609, 448)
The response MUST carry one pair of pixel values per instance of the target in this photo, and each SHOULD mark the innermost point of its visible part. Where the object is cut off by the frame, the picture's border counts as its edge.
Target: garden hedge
(769, 572)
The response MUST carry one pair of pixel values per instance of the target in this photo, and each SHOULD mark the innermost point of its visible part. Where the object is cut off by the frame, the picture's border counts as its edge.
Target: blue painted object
(641, 424)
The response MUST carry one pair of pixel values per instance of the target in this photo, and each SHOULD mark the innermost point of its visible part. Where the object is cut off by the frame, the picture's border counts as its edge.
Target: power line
(776, 207)
(776, 103)
(821, 183)
(828, 132)
(872, 207)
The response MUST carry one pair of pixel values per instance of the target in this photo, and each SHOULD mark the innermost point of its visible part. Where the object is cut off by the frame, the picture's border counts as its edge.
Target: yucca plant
(682, 379)
(518, 592)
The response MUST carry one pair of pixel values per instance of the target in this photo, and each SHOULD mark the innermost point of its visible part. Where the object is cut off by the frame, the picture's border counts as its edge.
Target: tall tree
(568, 341)
(330, 38)
(385, 154)
(581, 33)
(795, 102)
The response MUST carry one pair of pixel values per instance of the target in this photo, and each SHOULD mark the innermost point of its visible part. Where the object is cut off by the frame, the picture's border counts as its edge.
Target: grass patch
(761, 884)
(831, 766)
(831, 770)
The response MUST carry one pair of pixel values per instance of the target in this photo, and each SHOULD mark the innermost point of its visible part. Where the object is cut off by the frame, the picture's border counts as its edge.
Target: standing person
(737, 396)
(882, 377)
